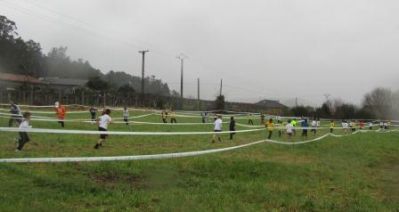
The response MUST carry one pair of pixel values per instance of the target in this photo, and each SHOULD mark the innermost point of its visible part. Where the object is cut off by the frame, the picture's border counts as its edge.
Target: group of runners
(290, 127)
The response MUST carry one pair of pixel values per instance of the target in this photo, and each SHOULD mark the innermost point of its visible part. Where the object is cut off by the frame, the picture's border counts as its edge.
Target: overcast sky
(274, 49)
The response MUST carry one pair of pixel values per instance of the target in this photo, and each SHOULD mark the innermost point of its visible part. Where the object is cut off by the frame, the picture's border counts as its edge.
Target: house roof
(19, 78)
(270, 103)
(63, 81)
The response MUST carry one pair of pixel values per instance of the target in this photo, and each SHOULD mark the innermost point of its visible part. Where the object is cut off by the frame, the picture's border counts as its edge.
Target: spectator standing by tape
(103, 122)
(217, 128)
(15, 114)
(126, 115)
(232, 127)
(60, 112)
(23, 135)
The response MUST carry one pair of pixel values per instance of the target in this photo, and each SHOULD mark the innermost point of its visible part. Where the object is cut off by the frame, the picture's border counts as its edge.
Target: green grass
(354, 173)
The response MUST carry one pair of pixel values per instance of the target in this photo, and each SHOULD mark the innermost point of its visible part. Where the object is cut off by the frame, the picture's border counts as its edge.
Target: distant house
(24, 88)
(65, 84)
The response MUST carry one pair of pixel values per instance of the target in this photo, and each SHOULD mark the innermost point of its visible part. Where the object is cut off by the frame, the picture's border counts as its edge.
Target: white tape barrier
(124, 158)
(92, 132)
(157, 156)
(50, 119)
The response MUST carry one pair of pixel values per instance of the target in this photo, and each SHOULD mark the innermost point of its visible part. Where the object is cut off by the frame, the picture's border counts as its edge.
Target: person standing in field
(352, 125)
(23, 135)
(60, 112)
(217, 128)
(15, 114)
(93, 113)
(172, 116)
(126, 115)
(270, 128)
(103, 122)
(332, 126)
(289, 129)
(250, 121)
(232, 127)
(304, 125)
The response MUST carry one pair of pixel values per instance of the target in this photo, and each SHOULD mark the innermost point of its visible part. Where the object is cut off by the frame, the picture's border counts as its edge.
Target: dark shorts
(103, 136)
(23, 136)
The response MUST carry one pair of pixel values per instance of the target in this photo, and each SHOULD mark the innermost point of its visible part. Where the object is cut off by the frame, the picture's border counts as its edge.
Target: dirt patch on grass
(111, 180)
(287, 158)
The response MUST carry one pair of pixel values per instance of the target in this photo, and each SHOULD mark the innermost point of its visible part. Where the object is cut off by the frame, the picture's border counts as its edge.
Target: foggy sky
(274, 49)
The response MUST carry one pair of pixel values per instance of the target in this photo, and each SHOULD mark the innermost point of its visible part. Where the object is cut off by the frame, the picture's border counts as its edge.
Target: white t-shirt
(24, 125)
(289, 128)
(104, 120)
(344, 125)
(218, 124)
(125, 113)
(314, 123)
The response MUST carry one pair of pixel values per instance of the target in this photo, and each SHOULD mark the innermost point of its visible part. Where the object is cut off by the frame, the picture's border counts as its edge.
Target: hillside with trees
(18, 56)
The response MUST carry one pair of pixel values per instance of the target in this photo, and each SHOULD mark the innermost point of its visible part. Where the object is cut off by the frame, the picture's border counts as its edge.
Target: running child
(60, 112)
(173, 116)
(126, 115)
(15, 114)
(250, 119)
(93, 113)
(103, 122)
(289, 129)
(332, 126)
(314, 127)
(232, 127)
(305, 126)
(217, 128)
(23, 135)
(164, 116)
(270, 128)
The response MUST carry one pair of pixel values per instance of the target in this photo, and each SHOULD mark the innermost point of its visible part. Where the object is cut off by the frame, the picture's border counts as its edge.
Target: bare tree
(379, 102)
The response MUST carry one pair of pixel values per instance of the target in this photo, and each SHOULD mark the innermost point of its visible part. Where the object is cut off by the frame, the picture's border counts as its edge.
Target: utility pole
(221, 86)
(181, 57)
(198, 94)
(142, 52)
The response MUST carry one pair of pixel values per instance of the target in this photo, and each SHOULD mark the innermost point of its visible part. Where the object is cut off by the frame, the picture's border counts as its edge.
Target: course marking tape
(92, 132)
(157, 156)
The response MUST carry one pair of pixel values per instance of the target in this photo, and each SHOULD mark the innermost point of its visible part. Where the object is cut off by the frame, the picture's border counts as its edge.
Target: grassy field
(353, 173)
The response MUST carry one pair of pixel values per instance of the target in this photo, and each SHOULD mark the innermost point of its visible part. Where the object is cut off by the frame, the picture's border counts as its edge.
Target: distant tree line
(380, 103)
(18, 56)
